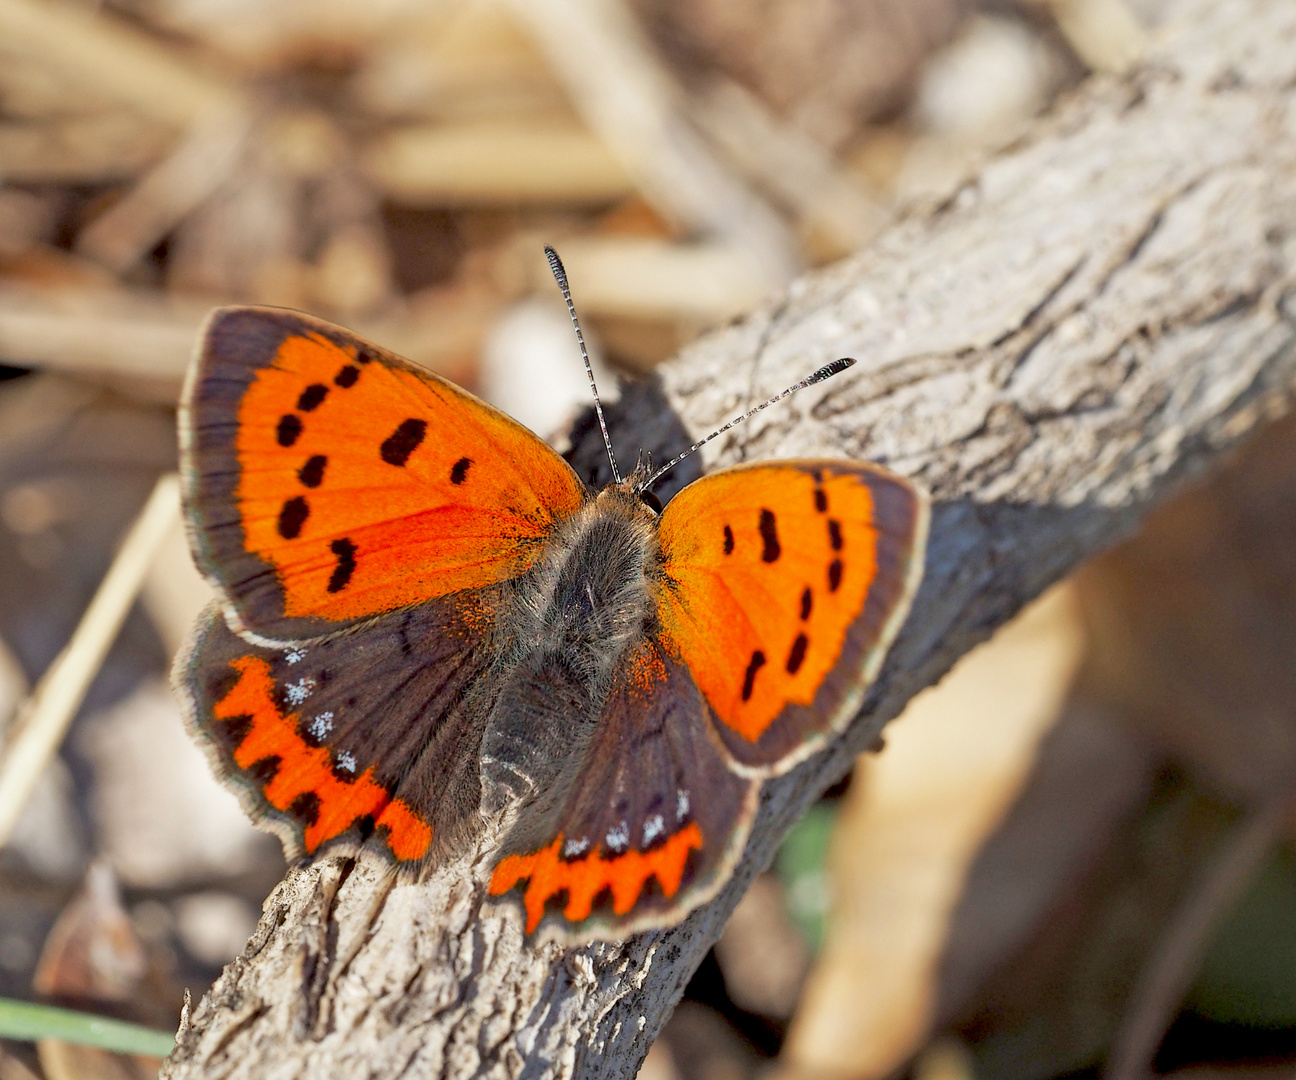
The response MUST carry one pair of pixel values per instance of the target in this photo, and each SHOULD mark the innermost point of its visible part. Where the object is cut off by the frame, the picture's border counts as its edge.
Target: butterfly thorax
(588, 597)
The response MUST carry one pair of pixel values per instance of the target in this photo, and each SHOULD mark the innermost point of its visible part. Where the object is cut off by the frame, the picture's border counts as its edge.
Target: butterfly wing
(327, 481)
(651, 824)
(374, 732)
(782, 588)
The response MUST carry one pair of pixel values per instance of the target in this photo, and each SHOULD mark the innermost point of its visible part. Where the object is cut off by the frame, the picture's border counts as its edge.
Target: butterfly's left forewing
(783, 585)
(327, 481)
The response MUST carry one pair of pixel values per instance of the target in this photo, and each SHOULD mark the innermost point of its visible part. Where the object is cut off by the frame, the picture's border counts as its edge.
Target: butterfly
(424, 619)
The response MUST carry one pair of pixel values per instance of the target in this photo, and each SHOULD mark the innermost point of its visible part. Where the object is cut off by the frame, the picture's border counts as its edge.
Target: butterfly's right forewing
(783, 586)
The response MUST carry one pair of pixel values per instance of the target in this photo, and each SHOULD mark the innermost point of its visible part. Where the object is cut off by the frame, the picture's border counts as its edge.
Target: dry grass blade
(102, 332)
(193, 171)
(488, 162)
(44, 717)
(1105, 34)
(99, 53)
(628, 99)
(781, 159)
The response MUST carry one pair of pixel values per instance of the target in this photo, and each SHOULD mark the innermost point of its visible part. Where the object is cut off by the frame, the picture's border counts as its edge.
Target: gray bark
(1101, 312)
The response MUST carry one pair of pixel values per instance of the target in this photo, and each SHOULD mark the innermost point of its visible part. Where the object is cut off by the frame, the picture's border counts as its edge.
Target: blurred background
(1073, 857)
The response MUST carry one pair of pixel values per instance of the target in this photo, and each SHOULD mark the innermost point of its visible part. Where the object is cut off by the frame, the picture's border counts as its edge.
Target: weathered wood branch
(1099, 314)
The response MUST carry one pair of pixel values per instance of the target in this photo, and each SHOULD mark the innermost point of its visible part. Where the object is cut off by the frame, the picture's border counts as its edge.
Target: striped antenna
(560, 276)
(825, 372)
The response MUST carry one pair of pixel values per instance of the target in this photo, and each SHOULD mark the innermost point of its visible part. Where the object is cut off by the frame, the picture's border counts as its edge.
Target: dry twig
(110, 60)
(1101, 313)
(626, 97)
(43, 719)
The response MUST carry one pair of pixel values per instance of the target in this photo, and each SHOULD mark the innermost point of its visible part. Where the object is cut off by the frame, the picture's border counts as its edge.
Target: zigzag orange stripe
(583, 879)
(308, 769)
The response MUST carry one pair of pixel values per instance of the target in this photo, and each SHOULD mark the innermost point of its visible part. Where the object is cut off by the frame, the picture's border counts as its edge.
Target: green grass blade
(26, 1021)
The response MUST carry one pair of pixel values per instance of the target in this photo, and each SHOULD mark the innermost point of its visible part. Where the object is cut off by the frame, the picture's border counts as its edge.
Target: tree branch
(1098, 315)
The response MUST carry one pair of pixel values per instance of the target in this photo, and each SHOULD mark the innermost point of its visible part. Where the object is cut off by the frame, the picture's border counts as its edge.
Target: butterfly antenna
(825, 372)
(560, 276)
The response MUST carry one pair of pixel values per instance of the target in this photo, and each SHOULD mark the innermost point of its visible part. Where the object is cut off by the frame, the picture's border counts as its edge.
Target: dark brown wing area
(370, 733)
(649, 827)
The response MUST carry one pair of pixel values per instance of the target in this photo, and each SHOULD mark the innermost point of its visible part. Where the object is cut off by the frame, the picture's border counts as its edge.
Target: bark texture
(1101, 312)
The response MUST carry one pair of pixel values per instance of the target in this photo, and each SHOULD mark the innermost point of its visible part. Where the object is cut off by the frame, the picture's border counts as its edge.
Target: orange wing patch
(369, 486)
(300, 780)
(549, 875)
(766, 568)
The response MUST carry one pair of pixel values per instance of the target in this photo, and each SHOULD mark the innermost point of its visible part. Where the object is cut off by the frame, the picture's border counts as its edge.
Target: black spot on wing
(305, 808)
(728, 541)
(749, 678)
(346, 377)
(835, 534)
(459, 471)
(312, 473)
(292, 517)
(796, 657)
(288, 430)
(769, 537)
(821, 500)
(807, 603)
(402, 442)
(264, 771)
(311, 397)
(345, 551)
(834, 575)
(236, 729)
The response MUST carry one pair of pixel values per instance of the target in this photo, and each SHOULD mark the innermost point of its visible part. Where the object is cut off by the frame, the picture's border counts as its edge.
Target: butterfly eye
(650, 500)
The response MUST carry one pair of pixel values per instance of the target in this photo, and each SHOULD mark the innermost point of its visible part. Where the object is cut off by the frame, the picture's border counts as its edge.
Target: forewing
(327, 480)
(373, 734)
(651, 824)
(783, 586)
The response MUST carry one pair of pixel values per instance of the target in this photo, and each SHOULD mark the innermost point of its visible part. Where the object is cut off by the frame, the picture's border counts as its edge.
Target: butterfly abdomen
(584, 606)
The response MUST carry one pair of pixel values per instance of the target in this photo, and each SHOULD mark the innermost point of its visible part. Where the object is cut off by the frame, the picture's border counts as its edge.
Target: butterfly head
(629, 499)
(637, 484)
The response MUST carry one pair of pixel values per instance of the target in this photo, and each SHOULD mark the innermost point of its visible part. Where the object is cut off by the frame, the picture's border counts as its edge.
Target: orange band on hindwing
(584, 879)
(299, 780)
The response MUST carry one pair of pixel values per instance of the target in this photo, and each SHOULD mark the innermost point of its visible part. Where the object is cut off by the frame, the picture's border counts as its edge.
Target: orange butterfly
(425, 617)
